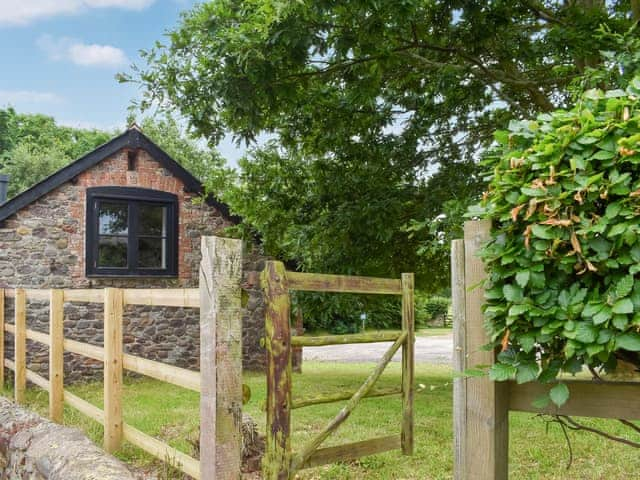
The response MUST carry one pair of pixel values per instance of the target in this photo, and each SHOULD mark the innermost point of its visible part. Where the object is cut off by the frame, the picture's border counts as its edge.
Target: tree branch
(542, 12)
(573, 425)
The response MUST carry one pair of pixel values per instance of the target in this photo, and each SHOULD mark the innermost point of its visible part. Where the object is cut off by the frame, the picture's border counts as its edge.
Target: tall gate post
(458, 297)
(220, 359)
(276, 463)
(481, 417)
(408, 362)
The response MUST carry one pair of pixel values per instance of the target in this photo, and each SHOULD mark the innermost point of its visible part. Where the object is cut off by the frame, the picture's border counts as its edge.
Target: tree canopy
(33, 146)
(378, 111)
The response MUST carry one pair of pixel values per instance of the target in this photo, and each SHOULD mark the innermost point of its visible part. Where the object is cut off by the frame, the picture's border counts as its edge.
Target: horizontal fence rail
(369, 337)
(337, 397)
(218, 300)
(317, 282)
(158, 297)
(167, 373)
(188, 298)
(353, 451)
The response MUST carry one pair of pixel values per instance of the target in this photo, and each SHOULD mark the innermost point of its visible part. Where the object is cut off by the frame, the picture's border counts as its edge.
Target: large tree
(379, 109)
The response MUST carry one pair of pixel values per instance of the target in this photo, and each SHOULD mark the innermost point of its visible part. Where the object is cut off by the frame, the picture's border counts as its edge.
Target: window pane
(153, 220)
(113, 218)
(112, 252)
(151, 253)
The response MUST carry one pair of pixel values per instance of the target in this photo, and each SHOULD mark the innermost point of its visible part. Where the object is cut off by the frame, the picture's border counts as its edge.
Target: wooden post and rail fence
(481, 407)
(219, 381)
(280, 462)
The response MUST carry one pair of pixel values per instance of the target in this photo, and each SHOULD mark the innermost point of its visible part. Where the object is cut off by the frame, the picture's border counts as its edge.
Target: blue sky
(59, 57)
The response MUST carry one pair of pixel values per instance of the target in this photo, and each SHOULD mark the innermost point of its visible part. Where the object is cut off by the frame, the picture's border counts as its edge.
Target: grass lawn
(433, 332)
(537, 452)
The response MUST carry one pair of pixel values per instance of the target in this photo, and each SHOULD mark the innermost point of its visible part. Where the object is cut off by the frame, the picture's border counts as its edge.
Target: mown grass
(537, 450)
(434, 331)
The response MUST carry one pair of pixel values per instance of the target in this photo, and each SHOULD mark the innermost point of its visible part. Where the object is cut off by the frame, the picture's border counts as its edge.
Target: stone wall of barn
(43, 246)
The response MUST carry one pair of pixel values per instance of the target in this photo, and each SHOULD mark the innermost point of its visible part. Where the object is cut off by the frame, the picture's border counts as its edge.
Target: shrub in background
(430, 310)
(341, 313)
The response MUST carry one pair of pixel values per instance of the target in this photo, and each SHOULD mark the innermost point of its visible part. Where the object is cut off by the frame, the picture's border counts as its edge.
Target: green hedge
(430, 309)
(564, 198)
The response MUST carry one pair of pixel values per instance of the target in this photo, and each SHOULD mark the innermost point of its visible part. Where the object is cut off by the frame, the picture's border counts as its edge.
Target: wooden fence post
(487, 418)
(408, 325)
(1, 340)
(458, 296)
(113, 353)
(56, 356)
(276, 463)
(220, 358)
(20, 349)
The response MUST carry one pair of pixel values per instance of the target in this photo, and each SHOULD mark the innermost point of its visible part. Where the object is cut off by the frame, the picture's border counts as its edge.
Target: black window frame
(133, 197)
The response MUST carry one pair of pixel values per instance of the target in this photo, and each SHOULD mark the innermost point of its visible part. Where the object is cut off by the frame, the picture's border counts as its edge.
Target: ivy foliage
(564, 200)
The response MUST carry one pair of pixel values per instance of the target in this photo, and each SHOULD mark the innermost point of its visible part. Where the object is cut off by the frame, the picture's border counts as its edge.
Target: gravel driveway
(436, 349)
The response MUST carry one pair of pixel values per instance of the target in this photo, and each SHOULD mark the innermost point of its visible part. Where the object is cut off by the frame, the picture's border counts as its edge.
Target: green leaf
(624, 286)
(602, 316)
(550, 373)
(603, 155)
(532, 192)
(594, 349)
(541, 402)
(613, 209)
(628, 341)
(512, 293)
(617, 93)
(517, 310)
(559, 394)
(527, 341)
(501, 372)
(624, 305)
(573, 365)
(620, 322)
(584, 140)
(527, 372)
(617, 229)
(604, 336)
(522, 278)
(586, 333)
(507, 356)
(542, 231)
(591, 309)
(501, 136)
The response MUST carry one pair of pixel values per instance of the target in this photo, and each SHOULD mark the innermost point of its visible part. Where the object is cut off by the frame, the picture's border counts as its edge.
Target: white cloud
(86, 55)
(19, 97)
(22, 12)
(97, 55)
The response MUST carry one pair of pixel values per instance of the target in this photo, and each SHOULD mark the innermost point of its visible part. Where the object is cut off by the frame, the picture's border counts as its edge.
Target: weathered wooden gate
(279, 461)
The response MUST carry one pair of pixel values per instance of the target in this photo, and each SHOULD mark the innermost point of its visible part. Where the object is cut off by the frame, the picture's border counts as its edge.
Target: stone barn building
(123, 216)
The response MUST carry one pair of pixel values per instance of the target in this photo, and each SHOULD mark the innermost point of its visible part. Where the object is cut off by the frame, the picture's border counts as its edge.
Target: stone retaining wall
(34, 448)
